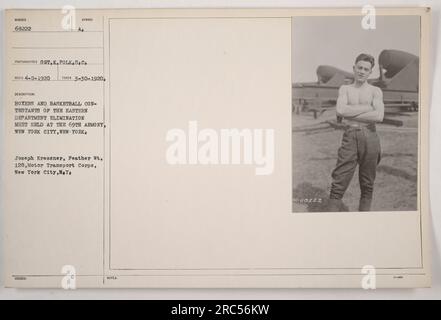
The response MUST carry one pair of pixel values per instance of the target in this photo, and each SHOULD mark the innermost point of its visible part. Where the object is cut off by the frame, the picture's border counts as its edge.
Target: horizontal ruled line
(59, 31)
(57, 47)
(58, 80)
(39, 64)
(231, 275)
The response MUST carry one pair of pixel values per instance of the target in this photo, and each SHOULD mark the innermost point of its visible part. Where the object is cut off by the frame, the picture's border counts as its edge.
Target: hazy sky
(336, 41)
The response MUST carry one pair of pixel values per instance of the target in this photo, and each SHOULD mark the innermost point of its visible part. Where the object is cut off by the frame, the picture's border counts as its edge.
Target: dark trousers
(359, 146)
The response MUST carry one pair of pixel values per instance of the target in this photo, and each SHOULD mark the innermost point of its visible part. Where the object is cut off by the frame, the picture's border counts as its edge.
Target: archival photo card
(245, 148)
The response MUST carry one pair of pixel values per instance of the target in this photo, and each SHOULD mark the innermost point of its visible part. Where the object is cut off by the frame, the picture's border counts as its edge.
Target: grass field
(315, 145)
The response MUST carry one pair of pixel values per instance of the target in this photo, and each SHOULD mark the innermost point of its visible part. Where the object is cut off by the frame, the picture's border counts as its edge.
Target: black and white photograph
(355, 113)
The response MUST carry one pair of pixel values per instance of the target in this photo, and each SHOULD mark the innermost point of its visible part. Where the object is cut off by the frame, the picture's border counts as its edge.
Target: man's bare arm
(349, 111)
(377, 114)
(371, 116)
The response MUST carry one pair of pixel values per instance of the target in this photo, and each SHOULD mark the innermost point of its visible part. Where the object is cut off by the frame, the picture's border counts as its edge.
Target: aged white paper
(120, 170)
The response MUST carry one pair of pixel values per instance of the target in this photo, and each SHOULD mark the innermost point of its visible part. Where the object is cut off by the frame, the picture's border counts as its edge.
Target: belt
(358, 127)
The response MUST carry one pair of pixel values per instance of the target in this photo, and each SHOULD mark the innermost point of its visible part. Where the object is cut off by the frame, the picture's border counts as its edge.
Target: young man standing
(361, 106)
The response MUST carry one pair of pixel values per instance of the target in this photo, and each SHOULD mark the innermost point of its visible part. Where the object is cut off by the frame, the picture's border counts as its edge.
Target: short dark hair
(366, 57)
